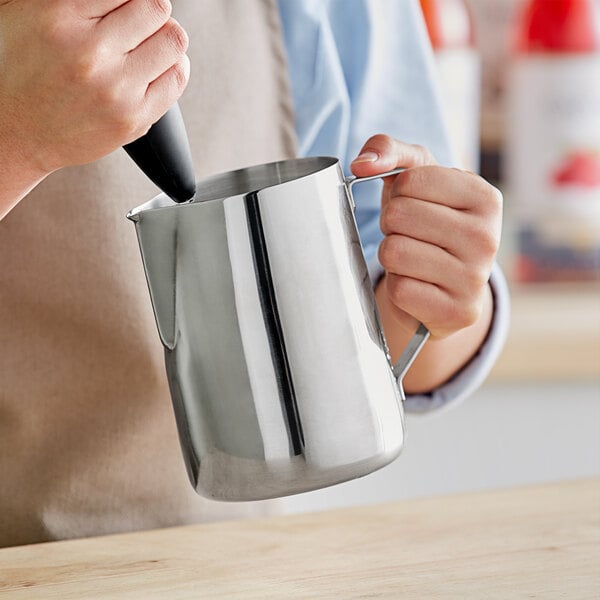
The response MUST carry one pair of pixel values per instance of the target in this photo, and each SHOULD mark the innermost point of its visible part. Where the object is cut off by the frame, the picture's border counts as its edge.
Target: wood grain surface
(554, 334)
(533, 542)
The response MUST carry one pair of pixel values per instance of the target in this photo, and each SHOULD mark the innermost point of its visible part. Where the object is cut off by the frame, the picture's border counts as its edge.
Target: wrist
(19, 173)
(442, 358)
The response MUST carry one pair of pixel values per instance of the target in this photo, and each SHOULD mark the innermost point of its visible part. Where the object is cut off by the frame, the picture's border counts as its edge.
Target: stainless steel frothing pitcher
(278, 368)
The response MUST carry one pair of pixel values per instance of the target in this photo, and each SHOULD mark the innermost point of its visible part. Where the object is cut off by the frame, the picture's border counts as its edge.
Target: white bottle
(552, 157)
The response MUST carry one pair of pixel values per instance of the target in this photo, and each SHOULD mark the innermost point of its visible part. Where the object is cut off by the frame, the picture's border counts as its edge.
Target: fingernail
(366, 157)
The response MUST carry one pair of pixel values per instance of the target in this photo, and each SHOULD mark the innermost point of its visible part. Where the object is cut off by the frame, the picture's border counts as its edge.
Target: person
(87, 437)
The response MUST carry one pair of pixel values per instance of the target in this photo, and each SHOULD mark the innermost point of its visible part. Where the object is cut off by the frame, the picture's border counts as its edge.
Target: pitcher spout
(157, 236)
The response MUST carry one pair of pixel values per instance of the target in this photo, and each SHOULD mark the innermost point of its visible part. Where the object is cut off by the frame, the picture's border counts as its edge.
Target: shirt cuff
(470, 377)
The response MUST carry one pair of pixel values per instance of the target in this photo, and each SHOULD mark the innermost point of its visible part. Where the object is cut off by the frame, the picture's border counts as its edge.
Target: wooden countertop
(554, 334)
(534, 542)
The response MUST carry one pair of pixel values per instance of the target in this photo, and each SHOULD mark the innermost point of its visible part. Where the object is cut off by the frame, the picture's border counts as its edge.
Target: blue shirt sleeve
(357, 68)
(361, 67)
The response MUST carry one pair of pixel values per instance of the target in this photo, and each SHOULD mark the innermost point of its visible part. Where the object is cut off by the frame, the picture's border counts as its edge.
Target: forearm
(440, 359)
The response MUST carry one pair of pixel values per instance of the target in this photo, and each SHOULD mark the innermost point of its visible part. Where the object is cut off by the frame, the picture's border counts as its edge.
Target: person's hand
(442, 231)
(79, 78)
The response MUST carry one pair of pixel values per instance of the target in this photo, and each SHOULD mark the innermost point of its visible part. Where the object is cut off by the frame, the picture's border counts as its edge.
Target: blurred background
(520, 84)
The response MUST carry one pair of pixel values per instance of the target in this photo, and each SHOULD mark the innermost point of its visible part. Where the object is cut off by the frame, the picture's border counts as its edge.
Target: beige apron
(88, 443)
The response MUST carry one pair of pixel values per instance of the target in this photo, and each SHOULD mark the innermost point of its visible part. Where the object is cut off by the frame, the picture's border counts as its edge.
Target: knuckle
(489, 244)
(384, 224)
(122, 116)
(161, 8)
(391, 215)
(124, 125)
(476, 279)
(484, 240)
(180, 75)
(490, 197)
(391, 251)
(51, 24)
(58, 40)
(177, 36)
(423, 153)
(496, 198)
(112, 100)
(397, 288)
(462, 315)
(87, 66)
(469, 316)
(381, 140)
(385, 253)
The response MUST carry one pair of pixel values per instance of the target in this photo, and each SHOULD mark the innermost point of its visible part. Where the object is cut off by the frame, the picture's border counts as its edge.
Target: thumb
(384, 153)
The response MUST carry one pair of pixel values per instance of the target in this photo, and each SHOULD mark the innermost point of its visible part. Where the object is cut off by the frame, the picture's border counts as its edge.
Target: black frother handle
(165, 157)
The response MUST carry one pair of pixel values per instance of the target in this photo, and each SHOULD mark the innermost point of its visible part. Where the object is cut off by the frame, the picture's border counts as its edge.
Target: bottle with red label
(552, 158)
(451, 31)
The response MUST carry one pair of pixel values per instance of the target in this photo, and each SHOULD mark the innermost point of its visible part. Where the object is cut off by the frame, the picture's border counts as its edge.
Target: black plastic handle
(165, 157)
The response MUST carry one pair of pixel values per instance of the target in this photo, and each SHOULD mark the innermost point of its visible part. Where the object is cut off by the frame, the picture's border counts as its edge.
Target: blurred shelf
(554, 334)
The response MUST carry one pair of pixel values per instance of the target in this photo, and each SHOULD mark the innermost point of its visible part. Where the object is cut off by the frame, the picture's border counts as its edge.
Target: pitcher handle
(422, 333)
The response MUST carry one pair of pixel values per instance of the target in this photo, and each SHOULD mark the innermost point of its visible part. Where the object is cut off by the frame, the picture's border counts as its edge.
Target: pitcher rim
(267, 174)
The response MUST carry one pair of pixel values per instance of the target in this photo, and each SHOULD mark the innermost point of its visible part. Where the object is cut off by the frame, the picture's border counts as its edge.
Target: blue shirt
(357, 68)
(361, 67)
